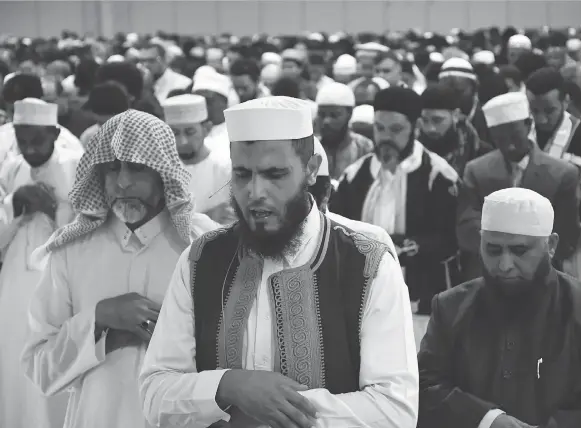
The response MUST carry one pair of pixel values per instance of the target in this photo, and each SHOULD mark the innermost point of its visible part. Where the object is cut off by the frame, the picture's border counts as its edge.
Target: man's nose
(257, 187)
(506, 263)
(124, 178)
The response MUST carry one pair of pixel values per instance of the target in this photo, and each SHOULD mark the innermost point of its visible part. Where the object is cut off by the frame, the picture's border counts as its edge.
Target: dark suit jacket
(555, 179)
(463, 359)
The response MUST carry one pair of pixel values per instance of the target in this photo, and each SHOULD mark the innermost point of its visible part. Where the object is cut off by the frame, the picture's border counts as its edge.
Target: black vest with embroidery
(318, 307)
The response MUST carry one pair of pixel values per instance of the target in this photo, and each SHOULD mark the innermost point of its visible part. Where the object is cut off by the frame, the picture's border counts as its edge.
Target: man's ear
(456, 115)
(553, 242)
(207, 127)
(55, 131)
(313, 168)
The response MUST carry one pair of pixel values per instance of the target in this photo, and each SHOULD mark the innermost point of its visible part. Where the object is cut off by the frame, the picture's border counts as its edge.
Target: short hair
(529, 62)
(511, 72)
(21, 86)
(125, 73)
(108, 99)
(286, 87)
(178, 92)
(388, 55)
(245, 66)
(545, 80)
(321, 189)
(85, 75)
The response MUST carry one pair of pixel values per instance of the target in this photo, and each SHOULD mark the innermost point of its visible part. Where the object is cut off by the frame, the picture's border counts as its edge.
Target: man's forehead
(390, 117)
(272, 153)
(550, 96)
(503, 238)
(429, 112)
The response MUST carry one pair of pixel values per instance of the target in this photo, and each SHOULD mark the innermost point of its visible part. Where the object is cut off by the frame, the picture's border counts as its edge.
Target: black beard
(333, 139)
(521, 292)
(402, 154)
(286, 239)
(443, 145)
(37, 160)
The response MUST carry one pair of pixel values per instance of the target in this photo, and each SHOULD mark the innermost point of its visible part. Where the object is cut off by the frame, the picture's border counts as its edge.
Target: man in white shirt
(154, 58)
(283, 319)
(33, 192)
(93, 312)
(187, 116)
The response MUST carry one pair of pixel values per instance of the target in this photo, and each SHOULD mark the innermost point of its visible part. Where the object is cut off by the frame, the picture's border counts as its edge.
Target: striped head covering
(136, 137)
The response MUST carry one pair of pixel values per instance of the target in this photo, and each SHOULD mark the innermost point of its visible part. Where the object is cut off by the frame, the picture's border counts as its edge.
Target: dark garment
(430, 222)
(553, 178)
(148, 103)
(78, 121)
(330, 292)
(472, 111)
(480, 354)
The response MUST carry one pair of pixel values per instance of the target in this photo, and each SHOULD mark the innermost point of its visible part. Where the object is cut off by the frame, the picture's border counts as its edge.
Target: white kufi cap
(115, 58)
(335, 94)
(484, 57)
(520, 41)
(506, 108)
(270, 73)
(270, 58)
(186, 109)
(214, 82)
(324, 167)
(345, 65)
(517, 211)
(457, 67)
(269, 118)
(363, 113)
(573, 45)
(32, 111)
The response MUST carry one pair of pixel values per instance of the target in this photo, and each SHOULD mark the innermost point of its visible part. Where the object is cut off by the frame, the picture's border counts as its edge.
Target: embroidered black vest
(318, 307)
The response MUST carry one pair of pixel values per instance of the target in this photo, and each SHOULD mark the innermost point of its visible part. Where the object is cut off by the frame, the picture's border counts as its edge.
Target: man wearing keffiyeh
(97, 303)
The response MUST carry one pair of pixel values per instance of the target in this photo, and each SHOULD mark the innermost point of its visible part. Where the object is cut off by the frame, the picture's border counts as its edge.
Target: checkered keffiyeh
(136, 137)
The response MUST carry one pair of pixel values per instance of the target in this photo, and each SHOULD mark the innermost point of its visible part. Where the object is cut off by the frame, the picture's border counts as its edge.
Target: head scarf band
(136, 137)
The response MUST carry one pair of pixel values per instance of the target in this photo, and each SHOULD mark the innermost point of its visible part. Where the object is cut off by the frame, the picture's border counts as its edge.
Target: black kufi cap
(439, 97)
(400, 100)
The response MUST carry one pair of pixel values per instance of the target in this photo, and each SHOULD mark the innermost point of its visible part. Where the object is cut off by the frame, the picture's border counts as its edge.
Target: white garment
(385, 202)
(169, 81)
(324, 80)
(9, 145)
(61, 353)
(210, 184)
(173, 393)
(21, 403)
(518, 169)
(89, 133)
(218, 140)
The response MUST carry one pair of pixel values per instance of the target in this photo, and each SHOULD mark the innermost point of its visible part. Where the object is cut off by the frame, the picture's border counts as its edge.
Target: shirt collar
(144, 234)
(408, 165)
(309, 234)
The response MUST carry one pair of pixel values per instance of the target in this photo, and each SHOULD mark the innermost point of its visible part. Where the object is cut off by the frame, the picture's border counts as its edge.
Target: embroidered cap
(506, 108)
(187, 109)
(335, 94)
(517, 211)
(269, 118)
(32, 111)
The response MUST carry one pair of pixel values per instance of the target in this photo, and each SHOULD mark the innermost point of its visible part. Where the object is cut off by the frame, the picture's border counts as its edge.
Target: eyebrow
(263, 171)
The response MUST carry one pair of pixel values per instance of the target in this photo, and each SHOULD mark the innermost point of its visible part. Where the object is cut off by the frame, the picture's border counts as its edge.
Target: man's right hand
(268, 397)
(33, 198)
(127, 312)
(117, 339)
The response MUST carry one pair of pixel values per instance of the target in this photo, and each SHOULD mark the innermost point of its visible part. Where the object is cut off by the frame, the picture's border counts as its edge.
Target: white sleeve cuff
(205, 392)
(489, 418)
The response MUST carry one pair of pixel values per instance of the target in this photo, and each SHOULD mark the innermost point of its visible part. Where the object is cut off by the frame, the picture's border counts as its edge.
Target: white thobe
(169, 81)
(218, 140)
(61, 353)
(174, 394)
(21, 404)
(9, 145)
(210, 183)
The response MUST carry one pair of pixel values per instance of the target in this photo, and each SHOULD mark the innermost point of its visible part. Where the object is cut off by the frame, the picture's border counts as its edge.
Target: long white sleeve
(173, 392)
(61, 345)
(8, 224)
(388, 376)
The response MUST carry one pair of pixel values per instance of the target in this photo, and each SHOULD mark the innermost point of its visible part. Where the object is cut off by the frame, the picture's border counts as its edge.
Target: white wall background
(246, 17)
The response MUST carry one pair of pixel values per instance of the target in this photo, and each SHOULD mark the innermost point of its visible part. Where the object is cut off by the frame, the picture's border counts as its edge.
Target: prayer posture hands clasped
(130, 319)
(268, 397)
(33, 198)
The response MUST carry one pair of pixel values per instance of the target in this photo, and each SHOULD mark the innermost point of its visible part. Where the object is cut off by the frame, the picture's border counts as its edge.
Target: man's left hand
(410, 248)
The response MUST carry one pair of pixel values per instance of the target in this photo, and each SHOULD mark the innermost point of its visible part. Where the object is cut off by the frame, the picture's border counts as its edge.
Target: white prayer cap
(335, 94)
(316, 37)
(573, 45)
(436, 57)
(270, 73)
(115, 58)
(506, 108)
(204, 70)
(345, 65)
(214, 54)
(132, 53)
(371, 47)
(517, 211)
(187, 109)
(324, 167)
(293, 55)
(32, 111)
(8, 77)
(484, 57)
(269, 118)
(214, 82)
(270, 58)
(520, 41)
(132, 38)
(457, 67)
(363, 114)
(172, 52)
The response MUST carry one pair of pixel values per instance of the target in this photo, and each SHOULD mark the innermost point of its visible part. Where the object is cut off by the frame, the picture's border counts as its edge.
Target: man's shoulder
(352, 170)
(556, 165)
(364, 144)
(482, 163)
(457, 300)
(221, 237)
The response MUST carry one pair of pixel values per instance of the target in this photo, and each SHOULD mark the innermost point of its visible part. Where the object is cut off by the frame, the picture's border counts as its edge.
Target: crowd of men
(226, 232)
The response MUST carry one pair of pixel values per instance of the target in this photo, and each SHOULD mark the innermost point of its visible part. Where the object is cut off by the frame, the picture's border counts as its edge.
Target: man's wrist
(224, 396)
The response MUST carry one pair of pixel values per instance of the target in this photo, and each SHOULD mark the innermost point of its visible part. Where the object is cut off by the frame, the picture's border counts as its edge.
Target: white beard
(129, 211)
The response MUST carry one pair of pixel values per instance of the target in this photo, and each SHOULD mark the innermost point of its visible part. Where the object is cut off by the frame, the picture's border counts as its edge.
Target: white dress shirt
(173, 393)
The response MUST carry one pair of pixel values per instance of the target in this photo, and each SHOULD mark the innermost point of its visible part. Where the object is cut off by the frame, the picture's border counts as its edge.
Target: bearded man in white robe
(33, 202)
(96, 305)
